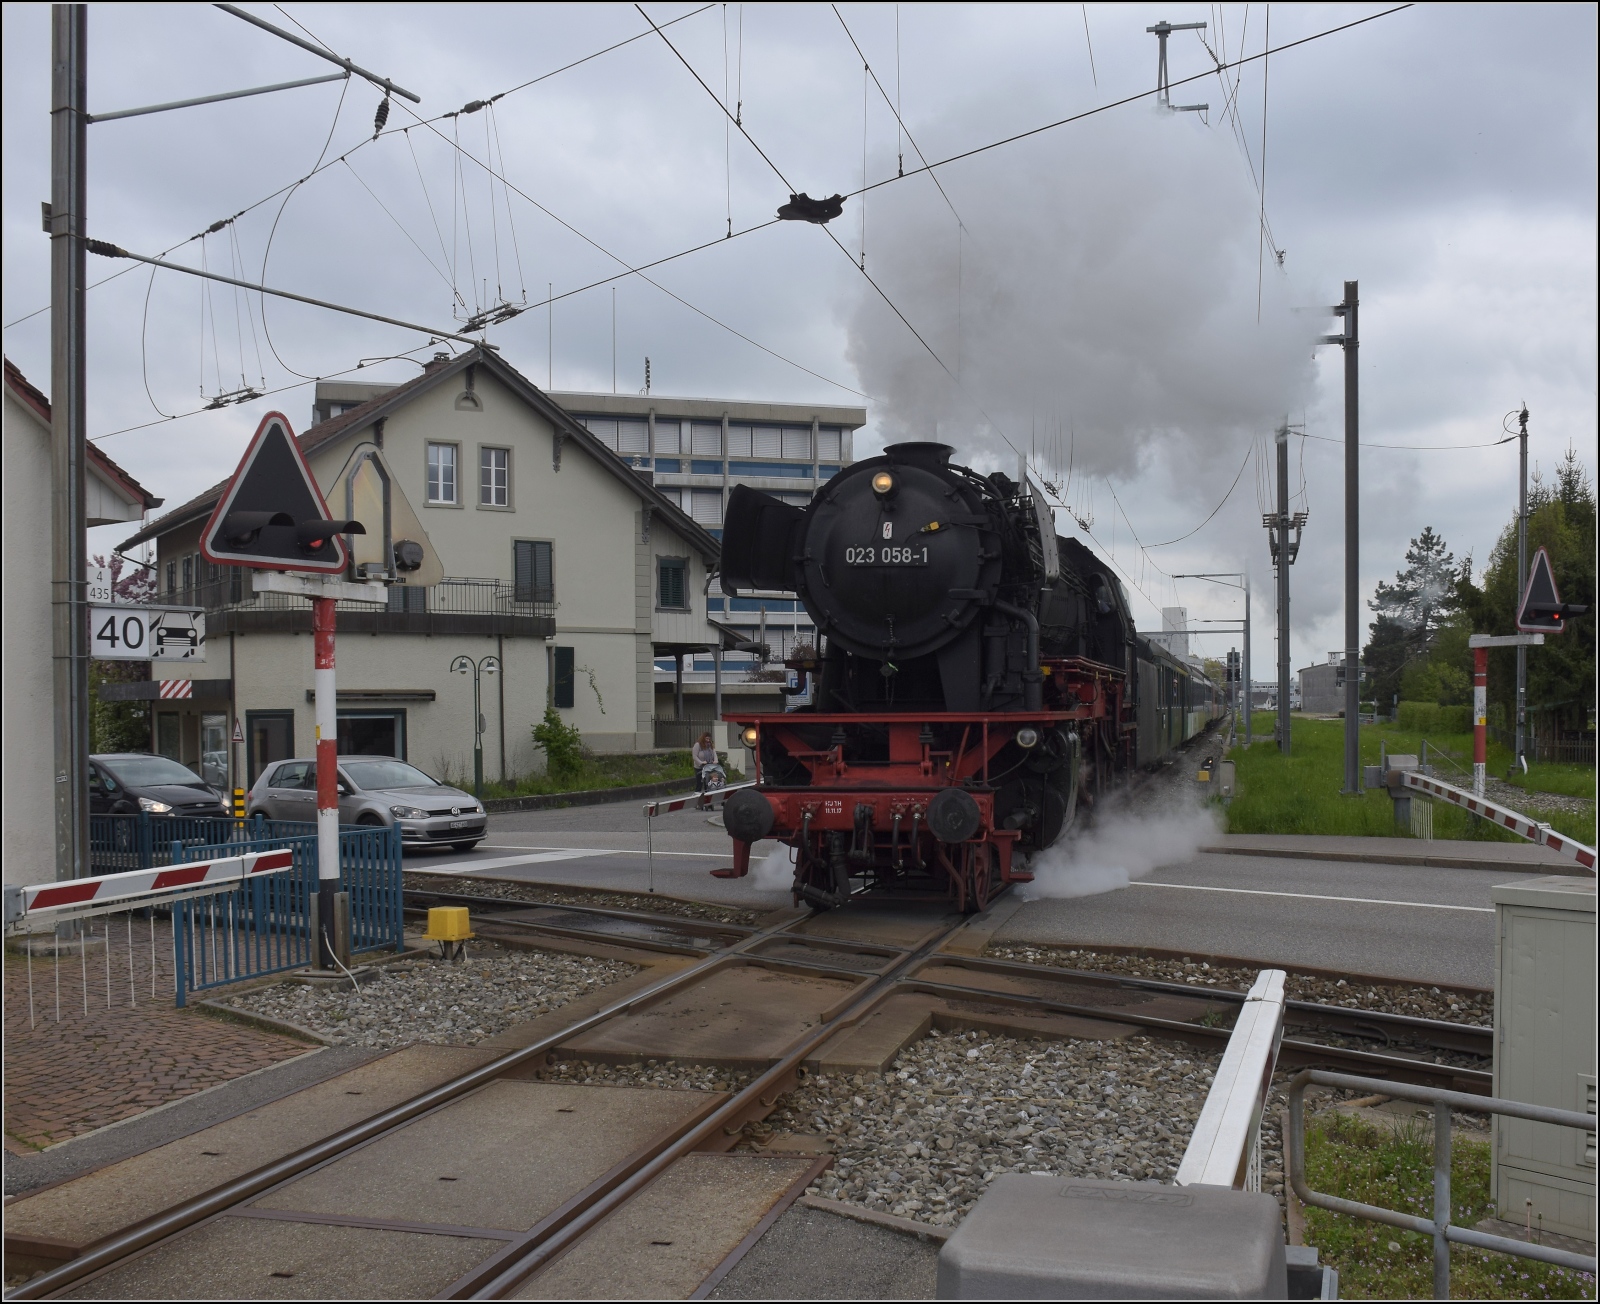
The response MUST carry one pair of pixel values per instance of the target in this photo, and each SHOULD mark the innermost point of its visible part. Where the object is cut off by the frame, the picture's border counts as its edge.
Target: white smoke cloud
(1122, 845)
(774, 872)
(1107, 300)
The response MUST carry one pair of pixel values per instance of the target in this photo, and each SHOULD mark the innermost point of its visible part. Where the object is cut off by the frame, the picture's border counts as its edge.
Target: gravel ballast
(955, 1111)
(1391, 998)
(433, 1001)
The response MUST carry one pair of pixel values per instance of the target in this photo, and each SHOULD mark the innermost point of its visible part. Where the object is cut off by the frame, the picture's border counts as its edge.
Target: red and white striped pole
(322, 624)
(1480, 718)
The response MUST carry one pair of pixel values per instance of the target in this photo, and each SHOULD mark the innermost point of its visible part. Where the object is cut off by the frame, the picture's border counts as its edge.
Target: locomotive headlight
(883, 484)
(1027, 737)
(750, 736)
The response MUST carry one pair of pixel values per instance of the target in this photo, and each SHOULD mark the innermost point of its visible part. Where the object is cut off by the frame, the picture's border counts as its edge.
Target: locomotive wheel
(980, 878)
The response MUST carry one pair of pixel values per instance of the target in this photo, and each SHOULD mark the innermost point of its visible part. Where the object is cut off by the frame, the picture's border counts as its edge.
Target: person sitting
(704, 757)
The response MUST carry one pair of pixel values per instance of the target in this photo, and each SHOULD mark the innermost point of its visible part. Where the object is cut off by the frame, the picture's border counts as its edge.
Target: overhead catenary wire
(1250, 452)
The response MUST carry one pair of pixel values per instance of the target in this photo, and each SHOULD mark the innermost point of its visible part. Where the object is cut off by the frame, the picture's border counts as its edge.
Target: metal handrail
(1440, 1227)
(1225, 1147)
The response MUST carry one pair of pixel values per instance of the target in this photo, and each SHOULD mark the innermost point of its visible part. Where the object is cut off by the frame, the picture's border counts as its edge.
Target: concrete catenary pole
(68, 582)
(1248, 700)
(1283, 587)
(322, 624)
(1518, 760)
(1352, 541)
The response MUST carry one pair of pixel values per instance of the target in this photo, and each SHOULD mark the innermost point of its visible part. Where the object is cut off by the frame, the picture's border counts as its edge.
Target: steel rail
(186, 1214)
(644, 916)
(1292, 1052)
(1332, 1015)
(508, 1269)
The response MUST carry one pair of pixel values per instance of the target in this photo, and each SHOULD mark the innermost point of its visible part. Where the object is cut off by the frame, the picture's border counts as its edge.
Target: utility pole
(1351, 341)
(1221, 577)
(1518, 760)
(1284, 561)
(69, 56)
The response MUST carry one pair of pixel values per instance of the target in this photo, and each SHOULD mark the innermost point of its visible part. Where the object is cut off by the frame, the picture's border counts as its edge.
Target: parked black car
(126, 783)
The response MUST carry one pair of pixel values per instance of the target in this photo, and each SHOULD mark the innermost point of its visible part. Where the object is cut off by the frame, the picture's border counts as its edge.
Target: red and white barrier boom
(699, 800)
(77, 897)
(1504, 816)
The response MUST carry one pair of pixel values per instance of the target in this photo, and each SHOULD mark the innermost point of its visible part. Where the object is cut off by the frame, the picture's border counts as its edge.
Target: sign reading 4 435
(147, 634)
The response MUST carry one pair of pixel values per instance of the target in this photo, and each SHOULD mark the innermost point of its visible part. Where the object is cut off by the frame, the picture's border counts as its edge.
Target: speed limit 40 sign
(147, 634)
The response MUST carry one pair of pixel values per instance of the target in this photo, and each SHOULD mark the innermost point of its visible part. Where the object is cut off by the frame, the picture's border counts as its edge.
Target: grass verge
(594, 772)
(1299, 793)
(1392, 1167)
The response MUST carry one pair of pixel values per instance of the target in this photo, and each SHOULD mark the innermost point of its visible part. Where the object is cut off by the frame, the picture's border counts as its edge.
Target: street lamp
(1221, 577)
(465, 665)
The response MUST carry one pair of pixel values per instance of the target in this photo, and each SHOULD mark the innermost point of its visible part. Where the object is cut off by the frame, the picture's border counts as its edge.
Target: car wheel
(466, 846)
(369, 820)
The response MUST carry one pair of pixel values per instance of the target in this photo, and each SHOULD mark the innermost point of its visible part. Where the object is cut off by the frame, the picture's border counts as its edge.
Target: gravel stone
(955, 1111)
(433, 1001)
(1393, 998)
(666, 1074)
(513, 890)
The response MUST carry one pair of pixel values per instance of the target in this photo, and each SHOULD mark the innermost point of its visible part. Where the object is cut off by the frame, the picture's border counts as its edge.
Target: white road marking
(1309, 896)
(504, 862)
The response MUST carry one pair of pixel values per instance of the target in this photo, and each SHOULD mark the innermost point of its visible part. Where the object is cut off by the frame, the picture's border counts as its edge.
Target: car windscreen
(152, 771)
(373, 775)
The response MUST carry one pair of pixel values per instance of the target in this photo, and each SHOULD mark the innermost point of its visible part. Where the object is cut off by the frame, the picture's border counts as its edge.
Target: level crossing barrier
(266, 928)
(1225, 1147)
(1504, 816)
(708, 800)
(1439, 1227)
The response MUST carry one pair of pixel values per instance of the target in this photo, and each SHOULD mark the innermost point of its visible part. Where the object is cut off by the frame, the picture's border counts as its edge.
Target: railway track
(854, 965)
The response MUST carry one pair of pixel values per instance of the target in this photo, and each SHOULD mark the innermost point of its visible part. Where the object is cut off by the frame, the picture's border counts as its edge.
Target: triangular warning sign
(1540, 610)
(272, 515)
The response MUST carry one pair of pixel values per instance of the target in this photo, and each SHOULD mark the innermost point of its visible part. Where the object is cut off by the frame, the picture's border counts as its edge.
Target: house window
(633, 437)
(172, 579)
(188, 579)
(797, 442)
(766, 441)
(533, 569)
(494, 477)
(562, 679)
(829, 443)
(668, 436)
(673, 583)
(442, 473)
(706, 506)
(739, 441)
(706, 439)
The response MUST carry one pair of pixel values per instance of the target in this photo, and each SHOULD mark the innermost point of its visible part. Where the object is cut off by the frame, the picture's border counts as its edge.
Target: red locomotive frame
(885, 803)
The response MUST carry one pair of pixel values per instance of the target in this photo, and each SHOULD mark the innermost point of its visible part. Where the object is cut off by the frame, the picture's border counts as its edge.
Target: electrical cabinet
(1544, 1052)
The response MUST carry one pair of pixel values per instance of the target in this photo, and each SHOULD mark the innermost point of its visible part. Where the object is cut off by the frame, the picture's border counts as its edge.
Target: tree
(121, 726)
(1423, 595)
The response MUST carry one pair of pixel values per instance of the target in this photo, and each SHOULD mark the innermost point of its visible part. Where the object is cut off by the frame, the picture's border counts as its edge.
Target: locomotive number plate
(886, 555)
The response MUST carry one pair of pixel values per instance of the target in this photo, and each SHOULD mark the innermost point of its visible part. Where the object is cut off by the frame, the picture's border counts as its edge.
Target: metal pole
(1441, 1201)
(716, 680)
(69, 614)
(1249, 701)
(477, 733)
(1480, 718)
(1283, 587)
(1352, 541)
(1517, 760)
(322, 623)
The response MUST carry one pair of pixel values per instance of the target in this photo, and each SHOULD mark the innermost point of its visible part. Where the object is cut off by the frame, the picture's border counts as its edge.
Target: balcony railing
(457, 604)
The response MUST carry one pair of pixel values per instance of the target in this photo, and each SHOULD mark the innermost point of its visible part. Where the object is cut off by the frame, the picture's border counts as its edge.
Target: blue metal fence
(142, 840)
(264, 926)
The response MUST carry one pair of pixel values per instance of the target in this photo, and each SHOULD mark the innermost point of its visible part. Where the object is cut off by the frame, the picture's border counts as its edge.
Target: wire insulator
(381, 117)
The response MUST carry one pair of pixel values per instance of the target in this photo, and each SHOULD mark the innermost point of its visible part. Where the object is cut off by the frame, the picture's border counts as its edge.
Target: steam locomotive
(979, 686)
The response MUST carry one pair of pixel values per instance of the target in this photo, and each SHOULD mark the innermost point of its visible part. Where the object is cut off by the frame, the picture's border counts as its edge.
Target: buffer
(272, 516)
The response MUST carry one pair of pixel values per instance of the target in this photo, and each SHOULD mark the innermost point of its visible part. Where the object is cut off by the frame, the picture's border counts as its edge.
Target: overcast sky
(1088, 294)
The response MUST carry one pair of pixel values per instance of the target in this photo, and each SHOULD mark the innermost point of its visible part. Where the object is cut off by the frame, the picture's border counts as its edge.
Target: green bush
(1431, 718)
(562, 744)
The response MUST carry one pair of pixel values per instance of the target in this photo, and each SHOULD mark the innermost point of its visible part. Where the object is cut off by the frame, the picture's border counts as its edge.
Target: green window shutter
(672, 585)
(562, 689)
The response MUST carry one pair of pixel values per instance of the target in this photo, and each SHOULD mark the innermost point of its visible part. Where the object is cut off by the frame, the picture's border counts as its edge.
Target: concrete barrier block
(1037, 1237)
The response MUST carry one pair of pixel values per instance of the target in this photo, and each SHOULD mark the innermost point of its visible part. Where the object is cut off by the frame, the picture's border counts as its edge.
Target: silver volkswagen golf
(375, 790)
